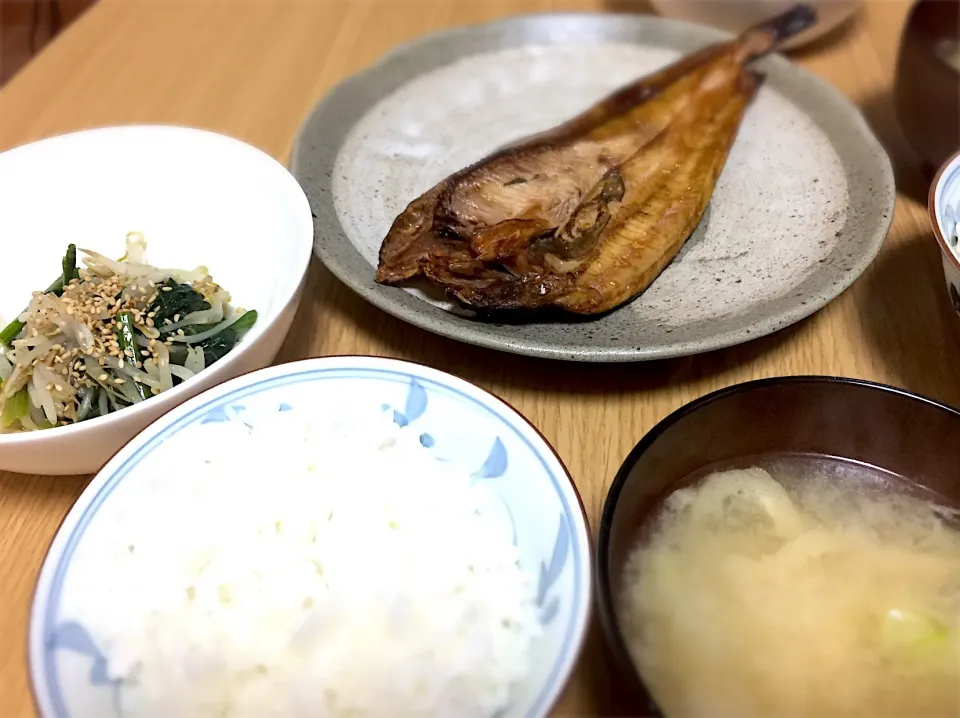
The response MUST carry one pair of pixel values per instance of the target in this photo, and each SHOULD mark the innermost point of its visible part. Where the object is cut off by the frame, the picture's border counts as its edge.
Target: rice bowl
(403, 556)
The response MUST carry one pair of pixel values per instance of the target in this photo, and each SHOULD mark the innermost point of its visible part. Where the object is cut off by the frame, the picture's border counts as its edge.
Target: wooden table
(253, 68)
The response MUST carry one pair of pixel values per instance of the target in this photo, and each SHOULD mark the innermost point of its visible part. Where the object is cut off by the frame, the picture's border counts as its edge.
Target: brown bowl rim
(932, 212)
(953, 71)
(603, 600)
(925, 40)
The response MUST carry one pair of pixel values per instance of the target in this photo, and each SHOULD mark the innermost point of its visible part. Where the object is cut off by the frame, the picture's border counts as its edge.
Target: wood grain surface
(253, 68)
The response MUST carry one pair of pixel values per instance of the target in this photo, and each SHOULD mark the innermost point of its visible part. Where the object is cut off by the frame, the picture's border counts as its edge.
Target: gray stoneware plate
(801, 209)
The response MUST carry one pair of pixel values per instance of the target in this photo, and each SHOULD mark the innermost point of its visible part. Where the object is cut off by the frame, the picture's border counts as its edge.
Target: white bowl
(737, 15)
(460, 422)
(199, 198)
(943, 204)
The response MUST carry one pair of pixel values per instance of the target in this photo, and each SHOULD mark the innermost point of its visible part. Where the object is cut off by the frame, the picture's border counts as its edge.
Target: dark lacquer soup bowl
(896, 434)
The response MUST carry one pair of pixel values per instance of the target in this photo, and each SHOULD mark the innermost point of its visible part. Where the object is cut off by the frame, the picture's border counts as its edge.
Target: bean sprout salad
(110, 335)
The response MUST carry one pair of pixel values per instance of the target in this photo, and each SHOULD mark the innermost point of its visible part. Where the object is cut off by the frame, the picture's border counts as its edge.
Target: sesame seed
(58, 387)
(119, 381)
(167, 289)
(102, 377)
(121, 362)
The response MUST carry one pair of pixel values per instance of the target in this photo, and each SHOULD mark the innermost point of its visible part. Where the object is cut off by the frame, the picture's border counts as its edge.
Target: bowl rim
(932, 210)
(924, 40)
(606, 610)
(175, 396)
(55, 549)
(951, 69)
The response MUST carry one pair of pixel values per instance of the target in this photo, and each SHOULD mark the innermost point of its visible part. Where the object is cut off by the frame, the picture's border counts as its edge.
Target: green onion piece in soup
(919, 638)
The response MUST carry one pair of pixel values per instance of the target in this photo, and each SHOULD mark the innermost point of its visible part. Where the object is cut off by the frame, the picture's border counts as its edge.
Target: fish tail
(766, 36)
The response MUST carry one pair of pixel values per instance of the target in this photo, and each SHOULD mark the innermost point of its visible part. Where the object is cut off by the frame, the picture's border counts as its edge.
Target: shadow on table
(488, 366)
(879, 111)
(41, 488)
(597, 679)
(328, 300)
(311, 318)
(614, 694)
(907, 315)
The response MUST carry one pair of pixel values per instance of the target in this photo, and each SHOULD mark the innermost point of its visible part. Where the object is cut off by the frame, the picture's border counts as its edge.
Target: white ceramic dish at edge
(199, 198)
(944, 206)
(465, 424)
(738, 15)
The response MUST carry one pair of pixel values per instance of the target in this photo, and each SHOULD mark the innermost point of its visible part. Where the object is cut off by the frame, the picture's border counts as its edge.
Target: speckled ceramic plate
(801, 209)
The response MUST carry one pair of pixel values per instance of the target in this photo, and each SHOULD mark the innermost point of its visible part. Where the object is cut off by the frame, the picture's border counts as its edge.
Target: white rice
(305, 567)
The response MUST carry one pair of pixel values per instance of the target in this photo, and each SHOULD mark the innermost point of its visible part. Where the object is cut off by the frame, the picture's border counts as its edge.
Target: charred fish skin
(411, 236)
(584, 217)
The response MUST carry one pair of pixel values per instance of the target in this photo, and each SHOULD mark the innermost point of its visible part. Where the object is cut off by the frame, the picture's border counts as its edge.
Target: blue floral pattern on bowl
(455, 421)
(494, 467)
(947, 211)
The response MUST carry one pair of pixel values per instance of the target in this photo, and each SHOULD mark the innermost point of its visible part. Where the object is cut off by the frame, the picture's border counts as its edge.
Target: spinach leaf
(218, 346)
(181, 299)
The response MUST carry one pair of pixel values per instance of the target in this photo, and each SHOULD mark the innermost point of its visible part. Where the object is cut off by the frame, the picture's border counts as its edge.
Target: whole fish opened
(584, 217)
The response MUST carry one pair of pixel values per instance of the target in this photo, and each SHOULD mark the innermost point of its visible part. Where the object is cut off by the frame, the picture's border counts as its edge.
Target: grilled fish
(584, 217)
